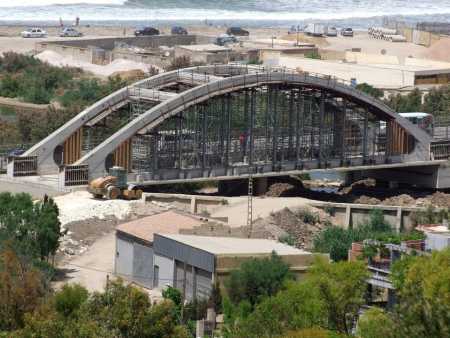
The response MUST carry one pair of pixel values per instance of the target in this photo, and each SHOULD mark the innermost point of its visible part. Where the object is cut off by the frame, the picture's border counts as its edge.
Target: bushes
(337, 241)
(32, 80)
(120, 311)
(69, 299)
(327, 298)
(257, 278)
(83, 92)
(368, 89)
(406, 103)
(307, 216)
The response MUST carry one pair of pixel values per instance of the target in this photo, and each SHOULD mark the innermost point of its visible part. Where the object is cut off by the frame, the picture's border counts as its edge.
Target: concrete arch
(45, 149)
(155, 116)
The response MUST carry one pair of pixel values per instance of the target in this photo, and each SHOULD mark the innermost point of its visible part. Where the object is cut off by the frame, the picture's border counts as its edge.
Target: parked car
(34, 33)
(237, 31)
(347, 32)
(225, 39)
(332, 31)
(146, 31)
(294, 30)
(16, 152)
(70, 32)
(178, 30)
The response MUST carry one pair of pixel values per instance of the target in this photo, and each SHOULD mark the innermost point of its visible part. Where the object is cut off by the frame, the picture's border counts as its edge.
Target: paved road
(35, 190)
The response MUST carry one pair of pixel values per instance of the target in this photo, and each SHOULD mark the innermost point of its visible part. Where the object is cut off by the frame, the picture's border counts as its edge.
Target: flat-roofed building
(437, 236)
(134, 244)
(193, 264)
(381, 71)
(206, 53)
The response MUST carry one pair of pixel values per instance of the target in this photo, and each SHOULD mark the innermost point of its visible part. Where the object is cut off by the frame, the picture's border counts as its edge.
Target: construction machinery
(114, 186)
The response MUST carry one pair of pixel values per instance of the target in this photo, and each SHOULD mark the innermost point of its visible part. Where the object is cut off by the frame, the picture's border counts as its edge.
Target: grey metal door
(124, 258)
(143, 265)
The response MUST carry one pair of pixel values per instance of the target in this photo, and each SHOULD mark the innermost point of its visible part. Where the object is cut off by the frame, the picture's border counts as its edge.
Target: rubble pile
(85, 218)
(279, 189)
(300, 224)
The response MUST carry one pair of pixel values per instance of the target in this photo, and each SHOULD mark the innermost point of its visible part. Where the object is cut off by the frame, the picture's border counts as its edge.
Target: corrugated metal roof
(232, 245)
(169, 222)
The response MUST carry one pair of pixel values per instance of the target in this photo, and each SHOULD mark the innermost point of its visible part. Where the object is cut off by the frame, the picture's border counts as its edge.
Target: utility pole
(250, 202)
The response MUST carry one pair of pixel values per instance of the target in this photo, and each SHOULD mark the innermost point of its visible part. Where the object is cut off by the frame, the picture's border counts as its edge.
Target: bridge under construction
(225, 122)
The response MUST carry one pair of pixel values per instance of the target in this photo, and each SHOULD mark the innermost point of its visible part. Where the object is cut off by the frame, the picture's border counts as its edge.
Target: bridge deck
(244, 172)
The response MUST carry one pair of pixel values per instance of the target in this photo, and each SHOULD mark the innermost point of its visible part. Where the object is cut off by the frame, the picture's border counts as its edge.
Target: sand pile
(80, 205)
(440, 50)
(117, 66)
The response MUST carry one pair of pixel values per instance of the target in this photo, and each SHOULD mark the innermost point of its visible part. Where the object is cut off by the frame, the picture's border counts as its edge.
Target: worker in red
(243, 141)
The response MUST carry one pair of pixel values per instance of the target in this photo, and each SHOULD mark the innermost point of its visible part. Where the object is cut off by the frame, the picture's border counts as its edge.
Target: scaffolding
(273, 125)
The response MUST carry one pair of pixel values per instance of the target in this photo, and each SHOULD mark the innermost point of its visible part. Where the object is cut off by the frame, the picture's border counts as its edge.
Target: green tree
(341, 287)
(69, 300)
(335, 241)
(47, 227)
(313, 333)
(33, 229)
(368, 89)
(423, 289)
(376, 323)
(127, 312)
(411, 102)
(437, 102)
(21, 290)
(256, 279)
(172, 294)
(215, 299)
(297, 307)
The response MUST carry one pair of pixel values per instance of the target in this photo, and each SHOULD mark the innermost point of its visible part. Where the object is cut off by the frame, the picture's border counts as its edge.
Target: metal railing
(440, 150)
(23, 166)
(75, 175)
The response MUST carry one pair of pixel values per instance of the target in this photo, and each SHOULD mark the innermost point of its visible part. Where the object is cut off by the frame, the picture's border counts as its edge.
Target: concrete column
(398, 220)
(193, 205)
(393, 184)
(348, 216)
(200, 329)
(260, 185)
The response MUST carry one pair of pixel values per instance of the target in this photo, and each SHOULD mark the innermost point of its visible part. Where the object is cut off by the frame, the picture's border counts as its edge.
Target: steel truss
(272, 125)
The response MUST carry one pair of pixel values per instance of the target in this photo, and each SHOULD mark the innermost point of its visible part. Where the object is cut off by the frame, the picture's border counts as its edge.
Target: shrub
(287, 239)
(368, 89)
(313, 55)
(68, 301)
(256, 279)
(179, 63)
(307, 216)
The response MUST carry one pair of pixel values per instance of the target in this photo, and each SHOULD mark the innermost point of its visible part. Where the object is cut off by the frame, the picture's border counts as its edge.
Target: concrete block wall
(352, 215)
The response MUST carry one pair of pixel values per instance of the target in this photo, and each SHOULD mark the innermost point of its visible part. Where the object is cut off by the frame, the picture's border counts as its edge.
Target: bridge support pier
(240, 186)
(427, 176)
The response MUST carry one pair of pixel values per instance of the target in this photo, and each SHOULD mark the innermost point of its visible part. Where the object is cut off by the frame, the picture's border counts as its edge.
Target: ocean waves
(225, 10)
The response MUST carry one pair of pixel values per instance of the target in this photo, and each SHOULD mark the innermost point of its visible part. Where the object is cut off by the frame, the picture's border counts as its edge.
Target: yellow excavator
(114, 186)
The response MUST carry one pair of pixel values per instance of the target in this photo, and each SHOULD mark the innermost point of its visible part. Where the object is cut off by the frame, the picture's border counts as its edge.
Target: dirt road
(236, 210)
(92, 267)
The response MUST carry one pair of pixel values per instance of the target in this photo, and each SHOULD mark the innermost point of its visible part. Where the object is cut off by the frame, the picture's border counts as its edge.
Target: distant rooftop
(434, 228)
(168, 222)
(232, 245)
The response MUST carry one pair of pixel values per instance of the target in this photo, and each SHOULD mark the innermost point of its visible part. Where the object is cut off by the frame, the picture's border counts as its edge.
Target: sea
(270, 13)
